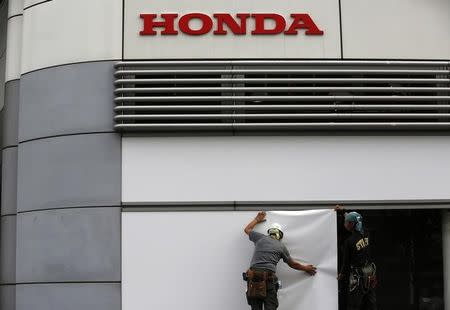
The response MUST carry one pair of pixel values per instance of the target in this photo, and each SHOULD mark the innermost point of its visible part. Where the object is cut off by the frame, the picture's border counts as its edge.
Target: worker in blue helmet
(262, 282)
(357, 264)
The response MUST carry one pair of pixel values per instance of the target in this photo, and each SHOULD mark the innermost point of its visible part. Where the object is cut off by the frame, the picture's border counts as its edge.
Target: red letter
(206, 27)
(167, 24)
(231, 23)
(280, 23)
(303, 21)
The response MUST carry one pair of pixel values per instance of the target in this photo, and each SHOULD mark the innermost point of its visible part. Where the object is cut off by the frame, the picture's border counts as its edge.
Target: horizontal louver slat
(281, 95)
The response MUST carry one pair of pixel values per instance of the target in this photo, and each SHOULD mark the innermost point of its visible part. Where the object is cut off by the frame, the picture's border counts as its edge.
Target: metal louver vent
(281, 95)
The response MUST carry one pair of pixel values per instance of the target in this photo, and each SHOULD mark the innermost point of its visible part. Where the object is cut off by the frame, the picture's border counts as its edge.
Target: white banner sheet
(195, 260)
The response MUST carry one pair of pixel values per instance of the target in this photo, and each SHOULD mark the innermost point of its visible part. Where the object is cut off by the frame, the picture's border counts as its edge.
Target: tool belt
(366, 276)
(257, 283)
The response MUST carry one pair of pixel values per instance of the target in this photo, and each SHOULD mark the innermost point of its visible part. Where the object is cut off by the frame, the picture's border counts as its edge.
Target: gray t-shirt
(268, 252)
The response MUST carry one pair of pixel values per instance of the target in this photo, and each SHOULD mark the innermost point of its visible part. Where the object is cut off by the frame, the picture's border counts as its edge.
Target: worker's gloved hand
(260, 217)
(310, 269)
(338, 208)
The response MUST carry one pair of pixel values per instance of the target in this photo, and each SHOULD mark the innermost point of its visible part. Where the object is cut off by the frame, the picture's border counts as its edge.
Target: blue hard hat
(353, 217)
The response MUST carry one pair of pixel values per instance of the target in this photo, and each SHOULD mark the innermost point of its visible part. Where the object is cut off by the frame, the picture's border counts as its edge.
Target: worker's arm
(260, 217)
(340, 210)
(310, 269)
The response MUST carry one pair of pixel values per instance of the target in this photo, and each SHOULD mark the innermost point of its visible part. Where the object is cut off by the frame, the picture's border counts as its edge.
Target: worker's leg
(370, 300)
(355, 299)
(256, 304)
(271, 301)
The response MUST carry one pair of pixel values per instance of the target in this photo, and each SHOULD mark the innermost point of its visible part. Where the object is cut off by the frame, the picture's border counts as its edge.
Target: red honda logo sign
(223, 23)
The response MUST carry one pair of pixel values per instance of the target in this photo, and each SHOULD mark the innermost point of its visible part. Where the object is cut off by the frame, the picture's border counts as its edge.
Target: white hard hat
(274, 226)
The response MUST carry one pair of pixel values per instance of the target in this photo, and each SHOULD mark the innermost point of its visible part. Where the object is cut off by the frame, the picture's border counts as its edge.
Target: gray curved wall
(61, 191)
(68, 189)
(61, 237)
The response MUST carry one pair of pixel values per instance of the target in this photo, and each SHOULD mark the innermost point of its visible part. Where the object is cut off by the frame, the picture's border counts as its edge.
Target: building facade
(108, 106)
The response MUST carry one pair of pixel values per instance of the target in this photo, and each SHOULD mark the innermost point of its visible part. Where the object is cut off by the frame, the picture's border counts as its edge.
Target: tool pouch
(370, 276)
(256, 284)
(372, 281)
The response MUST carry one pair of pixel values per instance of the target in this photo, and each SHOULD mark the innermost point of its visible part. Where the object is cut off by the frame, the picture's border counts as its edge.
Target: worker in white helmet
(262, 282)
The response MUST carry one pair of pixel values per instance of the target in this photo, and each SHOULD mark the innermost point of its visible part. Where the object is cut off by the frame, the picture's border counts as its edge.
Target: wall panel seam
(9, 147)
(12, 80)
(65, 282)
(340, 29)
(286, 202)
(68, 135)
(71, 63)
(15, 15)
(8, 214)
(123, 29)
(36, 4)
(161, 59)
(70, 208)
(280, 205)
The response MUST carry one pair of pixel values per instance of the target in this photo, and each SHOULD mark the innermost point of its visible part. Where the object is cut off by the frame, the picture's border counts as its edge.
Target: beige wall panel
(64, 31)
(3, 26)
(400, 29)
(15, 7)
(2, 81)
(13, 48)
(27, 3)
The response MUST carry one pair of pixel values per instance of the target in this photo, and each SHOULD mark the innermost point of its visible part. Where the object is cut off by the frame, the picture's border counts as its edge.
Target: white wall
(385, 29)
(15, 7)
(28, 3)
(396, 29)
(3, 27)
(2, 81)
(13, 48)
(296, 168)
(66, 31)
(325, 14)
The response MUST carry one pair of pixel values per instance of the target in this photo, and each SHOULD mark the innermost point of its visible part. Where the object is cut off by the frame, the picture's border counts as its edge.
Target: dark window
(407, 248)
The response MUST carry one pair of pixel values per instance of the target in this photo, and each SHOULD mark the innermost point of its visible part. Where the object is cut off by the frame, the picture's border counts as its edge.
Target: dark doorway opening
(407, 248)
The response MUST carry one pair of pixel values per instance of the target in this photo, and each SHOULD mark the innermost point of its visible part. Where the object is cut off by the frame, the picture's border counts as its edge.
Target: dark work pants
(360, 299)
(270, 302)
